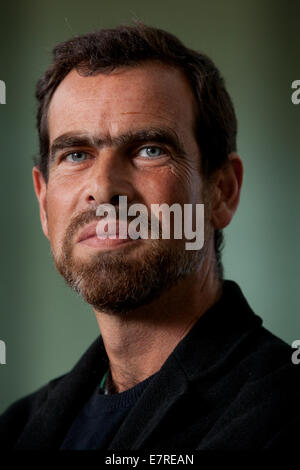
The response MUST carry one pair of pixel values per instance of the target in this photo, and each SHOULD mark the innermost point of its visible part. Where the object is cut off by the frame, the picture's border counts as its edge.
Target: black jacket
(229, 384)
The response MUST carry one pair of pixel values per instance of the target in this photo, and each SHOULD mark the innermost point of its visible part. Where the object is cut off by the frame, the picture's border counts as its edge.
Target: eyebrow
(77, 139)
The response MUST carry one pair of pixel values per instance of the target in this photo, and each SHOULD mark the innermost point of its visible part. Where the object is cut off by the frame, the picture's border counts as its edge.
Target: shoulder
(14, 419)
(35, 419)
(261, 393)
(247, 376)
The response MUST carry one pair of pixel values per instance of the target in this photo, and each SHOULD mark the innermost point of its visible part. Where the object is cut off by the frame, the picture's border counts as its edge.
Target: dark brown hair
(103, 51)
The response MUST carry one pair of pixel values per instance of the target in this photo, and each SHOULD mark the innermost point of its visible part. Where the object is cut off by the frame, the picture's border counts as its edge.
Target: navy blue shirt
(100, 418)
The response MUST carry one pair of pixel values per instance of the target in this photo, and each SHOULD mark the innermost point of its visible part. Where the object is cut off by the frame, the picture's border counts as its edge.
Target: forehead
(127, 98)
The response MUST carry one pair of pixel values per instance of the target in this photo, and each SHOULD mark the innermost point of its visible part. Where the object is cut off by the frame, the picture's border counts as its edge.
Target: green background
(256, 45)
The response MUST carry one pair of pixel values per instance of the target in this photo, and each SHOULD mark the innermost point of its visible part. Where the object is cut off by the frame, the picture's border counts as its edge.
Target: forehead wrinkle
(154, 114)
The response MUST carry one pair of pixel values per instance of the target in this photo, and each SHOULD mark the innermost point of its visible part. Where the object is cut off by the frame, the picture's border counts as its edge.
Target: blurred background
(256, 45)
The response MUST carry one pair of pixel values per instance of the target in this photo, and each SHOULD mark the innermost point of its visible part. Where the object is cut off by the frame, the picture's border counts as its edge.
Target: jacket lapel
(50, 423)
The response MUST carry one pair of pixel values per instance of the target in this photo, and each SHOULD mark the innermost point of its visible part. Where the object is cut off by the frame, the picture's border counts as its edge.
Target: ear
(40, 187)
(226, 192)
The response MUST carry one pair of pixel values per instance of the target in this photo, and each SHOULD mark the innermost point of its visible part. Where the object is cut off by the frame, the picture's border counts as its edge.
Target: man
(182, 361)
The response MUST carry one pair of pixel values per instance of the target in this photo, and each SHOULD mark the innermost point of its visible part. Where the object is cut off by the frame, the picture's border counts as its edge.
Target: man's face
(130, 133)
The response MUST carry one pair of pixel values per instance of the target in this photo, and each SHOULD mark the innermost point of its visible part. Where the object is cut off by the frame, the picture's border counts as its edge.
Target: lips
(88, 232)
(92, 231)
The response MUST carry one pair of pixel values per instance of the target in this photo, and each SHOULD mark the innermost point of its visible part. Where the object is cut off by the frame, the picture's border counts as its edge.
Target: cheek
(169, 186)
(59, 213)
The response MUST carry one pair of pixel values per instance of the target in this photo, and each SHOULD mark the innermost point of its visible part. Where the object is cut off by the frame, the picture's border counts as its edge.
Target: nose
(109, 177)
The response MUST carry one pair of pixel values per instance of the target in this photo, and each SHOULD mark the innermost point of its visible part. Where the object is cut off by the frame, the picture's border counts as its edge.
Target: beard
(116, 281)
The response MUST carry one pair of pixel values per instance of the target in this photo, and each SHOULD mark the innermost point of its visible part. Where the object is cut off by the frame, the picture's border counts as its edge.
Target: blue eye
(151, 152)
(76, 157)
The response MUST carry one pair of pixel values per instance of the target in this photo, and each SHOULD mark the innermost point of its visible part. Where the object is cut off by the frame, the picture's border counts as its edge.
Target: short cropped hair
(130, 45)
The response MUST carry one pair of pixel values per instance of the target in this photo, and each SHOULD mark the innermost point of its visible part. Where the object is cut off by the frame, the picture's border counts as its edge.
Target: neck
(139, 342)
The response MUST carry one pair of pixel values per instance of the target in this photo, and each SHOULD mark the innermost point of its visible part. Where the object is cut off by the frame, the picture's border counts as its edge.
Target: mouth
(95, 237)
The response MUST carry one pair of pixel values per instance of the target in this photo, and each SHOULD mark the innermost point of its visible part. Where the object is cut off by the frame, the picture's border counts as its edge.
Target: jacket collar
(218, 333)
